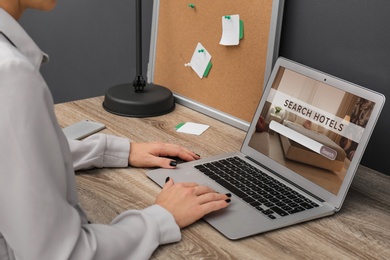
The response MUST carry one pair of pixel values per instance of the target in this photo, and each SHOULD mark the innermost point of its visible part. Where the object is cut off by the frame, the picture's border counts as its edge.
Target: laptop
(299, 156)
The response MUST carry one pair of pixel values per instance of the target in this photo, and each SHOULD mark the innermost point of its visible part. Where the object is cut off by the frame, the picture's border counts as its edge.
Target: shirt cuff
(169, 230)
(117, 152)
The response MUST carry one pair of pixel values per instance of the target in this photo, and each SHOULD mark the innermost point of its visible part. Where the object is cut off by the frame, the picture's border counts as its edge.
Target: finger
(189, 184)
(209, 207)
(212, 196)
(173, 150)
(168, 183)
(200, 190)
(151, 160)
(168, 163)
(164, 162)
(188, 156)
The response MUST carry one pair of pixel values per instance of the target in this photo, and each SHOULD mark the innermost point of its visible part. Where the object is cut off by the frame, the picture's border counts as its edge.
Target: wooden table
(360, 230)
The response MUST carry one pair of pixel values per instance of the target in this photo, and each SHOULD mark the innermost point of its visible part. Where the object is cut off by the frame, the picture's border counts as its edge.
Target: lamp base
(155, 100)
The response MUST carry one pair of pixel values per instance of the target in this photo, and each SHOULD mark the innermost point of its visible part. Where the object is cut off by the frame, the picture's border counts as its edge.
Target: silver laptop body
(309, 133)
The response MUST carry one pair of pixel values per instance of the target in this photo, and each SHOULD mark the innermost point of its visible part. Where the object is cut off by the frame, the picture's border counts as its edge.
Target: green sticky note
(179, 125)
(207, 70)
(241, 29)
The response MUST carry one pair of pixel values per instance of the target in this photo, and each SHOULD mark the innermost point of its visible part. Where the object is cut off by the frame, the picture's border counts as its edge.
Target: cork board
(236, 79)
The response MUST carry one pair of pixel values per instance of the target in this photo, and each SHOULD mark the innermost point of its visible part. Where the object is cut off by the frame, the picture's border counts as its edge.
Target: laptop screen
(311, 127)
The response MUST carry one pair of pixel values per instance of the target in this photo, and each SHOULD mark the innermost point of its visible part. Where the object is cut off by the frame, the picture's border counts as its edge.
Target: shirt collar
(11, 29)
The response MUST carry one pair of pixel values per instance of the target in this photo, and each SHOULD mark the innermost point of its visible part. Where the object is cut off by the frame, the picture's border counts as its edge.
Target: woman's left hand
(155, 154)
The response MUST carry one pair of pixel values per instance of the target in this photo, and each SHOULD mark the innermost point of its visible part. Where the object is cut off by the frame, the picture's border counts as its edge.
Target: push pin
(227, 16)
(201, 50)
(191, 6)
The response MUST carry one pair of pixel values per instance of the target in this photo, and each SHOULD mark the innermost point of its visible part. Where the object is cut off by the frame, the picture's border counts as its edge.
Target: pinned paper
(191, 128)
(200, 61)
(232, 30)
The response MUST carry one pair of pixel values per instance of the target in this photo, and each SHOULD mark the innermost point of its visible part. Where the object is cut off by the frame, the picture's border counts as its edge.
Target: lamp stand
(146, 99)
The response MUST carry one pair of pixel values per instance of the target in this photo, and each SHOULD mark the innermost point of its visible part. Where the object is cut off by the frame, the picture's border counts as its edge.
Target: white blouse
(40, 216)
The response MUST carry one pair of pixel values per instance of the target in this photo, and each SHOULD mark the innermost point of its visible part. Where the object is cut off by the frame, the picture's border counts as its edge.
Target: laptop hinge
(283, 178)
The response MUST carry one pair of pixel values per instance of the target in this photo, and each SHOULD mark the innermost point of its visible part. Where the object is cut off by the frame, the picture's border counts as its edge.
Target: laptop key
(260, 208)
(306, 205)
(296, 210)
(267, 212)
(255, 204)
(279, 211)
(214, 177)
(248, 199)
(208, 173)
(251, 192)
(231, 188)
(203, 169)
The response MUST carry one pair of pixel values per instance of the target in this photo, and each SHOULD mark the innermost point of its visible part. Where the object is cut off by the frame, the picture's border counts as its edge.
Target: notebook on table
(298, 158)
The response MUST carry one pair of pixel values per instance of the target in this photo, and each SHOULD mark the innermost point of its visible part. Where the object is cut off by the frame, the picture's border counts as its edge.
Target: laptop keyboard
(266, 194)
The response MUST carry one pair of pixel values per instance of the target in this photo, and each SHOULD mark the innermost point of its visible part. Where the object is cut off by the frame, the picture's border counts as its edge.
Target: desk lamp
(146, 99)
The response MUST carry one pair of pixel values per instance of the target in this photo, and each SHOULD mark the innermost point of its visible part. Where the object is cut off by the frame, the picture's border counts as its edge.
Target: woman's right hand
(188, 202)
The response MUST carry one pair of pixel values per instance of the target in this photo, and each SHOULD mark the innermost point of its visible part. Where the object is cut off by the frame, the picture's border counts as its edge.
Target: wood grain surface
(360, 230)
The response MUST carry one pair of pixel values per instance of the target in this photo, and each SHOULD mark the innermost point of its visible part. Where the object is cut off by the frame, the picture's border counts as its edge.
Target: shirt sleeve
(100, 150)
(38, 196)
(134, 232)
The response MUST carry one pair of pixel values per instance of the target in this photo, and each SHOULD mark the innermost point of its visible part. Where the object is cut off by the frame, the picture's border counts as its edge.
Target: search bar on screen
(303, 140)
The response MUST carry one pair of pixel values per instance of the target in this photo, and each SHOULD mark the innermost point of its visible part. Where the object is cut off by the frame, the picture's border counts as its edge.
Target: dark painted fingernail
(228, 194)
(228, 200)
(173, 163)
(197, 154)
(167, 179)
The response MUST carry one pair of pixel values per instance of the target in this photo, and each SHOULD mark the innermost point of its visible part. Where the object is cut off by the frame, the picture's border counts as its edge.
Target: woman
(40, 214)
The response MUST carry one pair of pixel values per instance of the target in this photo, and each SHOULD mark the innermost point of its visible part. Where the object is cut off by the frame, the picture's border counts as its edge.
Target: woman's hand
(152, 154)
(188, 202)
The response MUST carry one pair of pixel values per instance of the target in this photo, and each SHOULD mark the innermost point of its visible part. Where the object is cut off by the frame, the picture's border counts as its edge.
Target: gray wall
(349, 39)
(92, 47)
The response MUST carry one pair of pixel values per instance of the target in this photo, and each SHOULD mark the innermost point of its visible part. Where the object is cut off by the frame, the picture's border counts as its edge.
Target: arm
(38, 196)
(102, 150)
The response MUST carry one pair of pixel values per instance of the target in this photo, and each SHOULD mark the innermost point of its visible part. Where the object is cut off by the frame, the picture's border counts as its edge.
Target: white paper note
(230, 30)
(200, 60)
(192, 128)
